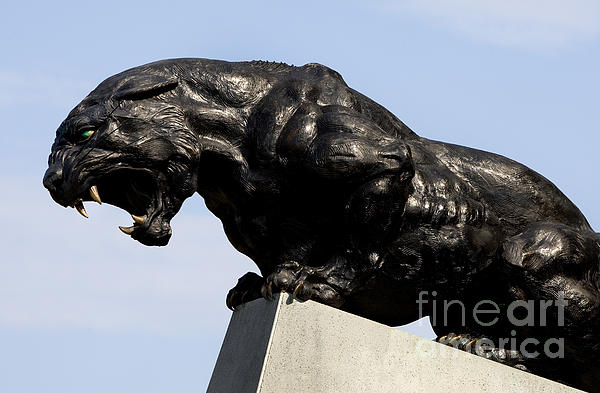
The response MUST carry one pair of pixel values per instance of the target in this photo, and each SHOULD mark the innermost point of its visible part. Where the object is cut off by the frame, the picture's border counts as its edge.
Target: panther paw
(302, 283)
(481, 346)
(248, 288)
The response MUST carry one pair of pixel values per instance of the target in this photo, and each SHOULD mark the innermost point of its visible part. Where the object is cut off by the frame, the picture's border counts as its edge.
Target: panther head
(127, 144)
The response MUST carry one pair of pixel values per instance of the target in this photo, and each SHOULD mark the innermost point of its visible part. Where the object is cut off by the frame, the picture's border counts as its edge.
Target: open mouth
(137, 192)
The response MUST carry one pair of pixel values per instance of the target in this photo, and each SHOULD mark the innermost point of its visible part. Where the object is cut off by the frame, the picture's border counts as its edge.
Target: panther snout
(54, 183)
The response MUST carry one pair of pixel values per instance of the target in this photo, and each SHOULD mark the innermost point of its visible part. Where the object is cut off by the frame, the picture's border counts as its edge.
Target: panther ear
(145, 86)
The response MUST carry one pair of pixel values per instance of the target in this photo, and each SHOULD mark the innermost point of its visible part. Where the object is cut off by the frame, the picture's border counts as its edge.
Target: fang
(126, 230)
(80, 208)
(138, 219)
(95, 195)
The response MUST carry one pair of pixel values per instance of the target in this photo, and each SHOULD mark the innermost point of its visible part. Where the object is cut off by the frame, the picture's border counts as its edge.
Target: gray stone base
(302, 347)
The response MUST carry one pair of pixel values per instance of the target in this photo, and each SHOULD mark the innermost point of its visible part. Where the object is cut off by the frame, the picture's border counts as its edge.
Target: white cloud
(523, 23)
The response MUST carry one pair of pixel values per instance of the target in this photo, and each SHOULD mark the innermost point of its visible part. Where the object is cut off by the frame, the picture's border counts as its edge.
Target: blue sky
(85, 308)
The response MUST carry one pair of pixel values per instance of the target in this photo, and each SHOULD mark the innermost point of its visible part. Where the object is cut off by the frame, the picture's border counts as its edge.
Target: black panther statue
(338, 201)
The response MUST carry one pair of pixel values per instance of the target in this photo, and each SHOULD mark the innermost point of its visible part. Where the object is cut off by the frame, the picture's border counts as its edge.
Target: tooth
(127, 230)
(80, 208)
(138, 219)
(94, 194)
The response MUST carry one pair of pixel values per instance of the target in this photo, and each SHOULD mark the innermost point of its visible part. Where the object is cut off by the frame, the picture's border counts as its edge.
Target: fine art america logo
(487, 313)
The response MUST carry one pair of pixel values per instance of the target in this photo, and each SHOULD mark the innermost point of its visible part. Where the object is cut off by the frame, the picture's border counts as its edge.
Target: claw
(267, 291)
(442, 339)
(229, 301)
(470, 344)
(243, 297)
(297, 289)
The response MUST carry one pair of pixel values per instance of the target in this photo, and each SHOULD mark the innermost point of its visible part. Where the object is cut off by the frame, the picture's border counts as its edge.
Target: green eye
(86, 134)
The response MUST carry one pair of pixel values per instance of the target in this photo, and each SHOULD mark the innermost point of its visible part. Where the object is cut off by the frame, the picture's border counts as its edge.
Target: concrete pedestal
(302, 347)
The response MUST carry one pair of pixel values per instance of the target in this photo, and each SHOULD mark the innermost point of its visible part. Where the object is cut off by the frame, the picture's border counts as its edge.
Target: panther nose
(53, 181)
